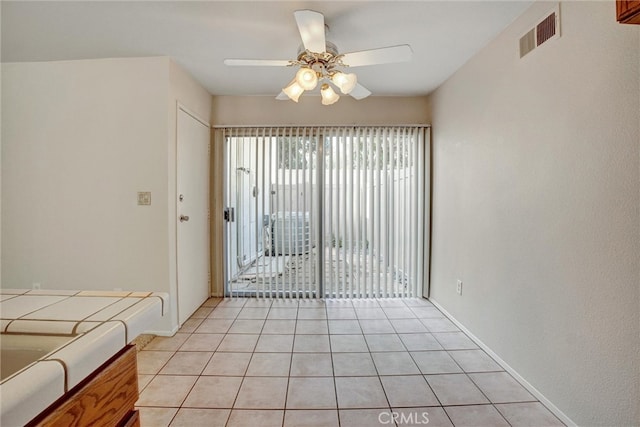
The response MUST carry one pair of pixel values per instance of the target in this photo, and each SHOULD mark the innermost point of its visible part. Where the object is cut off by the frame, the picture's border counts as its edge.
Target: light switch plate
(144, 197)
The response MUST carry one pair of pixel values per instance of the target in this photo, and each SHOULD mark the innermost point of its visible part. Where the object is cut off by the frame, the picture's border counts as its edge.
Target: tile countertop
(99, 325)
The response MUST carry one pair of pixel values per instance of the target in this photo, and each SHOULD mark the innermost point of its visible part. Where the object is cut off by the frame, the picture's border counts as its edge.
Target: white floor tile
(337, 362)
(353, 365)
(311, 393)
(360, 392)
(478, 415)
(311, 365)
(500, 387)
(311, 418)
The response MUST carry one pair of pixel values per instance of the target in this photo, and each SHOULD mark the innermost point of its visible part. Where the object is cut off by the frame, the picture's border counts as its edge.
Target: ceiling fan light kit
(293, 90)
(320, 66)
(319, 59)
(307, 78)
(346, 82)
(329, 96)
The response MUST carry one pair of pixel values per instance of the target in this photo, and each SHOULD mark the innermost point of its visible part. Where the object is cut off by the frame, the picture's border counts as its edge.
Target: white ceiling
(200, 35)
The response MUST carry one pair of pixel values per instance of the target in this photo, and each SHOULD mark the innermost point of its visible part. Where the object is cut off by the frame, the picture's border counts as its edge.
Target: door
(247, 207)
(326, 212)
(272, 233)
(193, 140)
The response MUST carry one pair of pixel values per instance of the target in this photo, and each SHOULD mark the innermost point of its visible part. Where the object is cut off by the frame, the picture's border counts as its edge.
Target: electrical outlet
(459, 287)
(36, 286)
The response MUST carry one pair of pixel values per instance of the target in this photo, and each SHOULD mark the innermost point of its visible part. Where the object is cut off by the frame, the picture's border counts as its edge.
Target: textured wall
(537, 208)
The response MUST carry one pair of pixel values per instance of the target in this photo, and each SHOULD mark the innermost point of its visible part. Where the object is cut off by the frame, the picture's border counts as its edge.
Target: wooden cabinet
(628, 11)
(106, 398)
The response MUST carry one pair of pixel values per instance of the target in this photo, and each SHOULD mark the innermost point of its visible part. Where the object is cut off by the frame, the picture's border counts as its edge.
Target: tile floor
(385, 362)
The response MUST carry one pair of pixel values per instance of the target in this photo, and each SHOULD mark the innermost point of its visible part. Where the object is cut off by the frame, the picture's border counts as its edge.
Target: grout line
(333, 369)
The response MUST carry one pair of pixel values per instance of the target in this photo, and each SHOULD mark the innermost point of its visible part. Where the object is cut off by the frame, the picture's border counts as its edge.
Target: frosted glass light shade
(307, 78)
(293, 91)
(329, 96)
(346, 82)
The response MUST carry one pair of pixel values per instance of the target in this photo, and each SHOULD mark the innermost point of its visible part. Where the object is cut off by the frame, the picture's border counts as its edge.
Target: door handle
(230, 214)
(184, 218)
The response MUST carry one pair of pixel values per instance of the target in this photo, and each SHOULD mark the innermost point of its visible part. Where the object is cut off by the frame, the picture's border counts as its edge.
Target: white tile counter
(98, 324)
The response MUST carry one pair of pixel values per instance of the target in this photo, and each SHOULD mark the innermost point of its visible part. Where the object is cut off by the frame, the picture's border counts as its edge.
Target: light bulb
(293, 91)
(346, 82)
(328, 95)
(307, 78)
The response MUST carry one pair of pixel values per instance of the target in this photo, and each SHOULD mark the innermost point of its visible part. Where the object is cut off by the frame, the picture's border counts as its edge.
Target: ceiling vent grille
(546, 29)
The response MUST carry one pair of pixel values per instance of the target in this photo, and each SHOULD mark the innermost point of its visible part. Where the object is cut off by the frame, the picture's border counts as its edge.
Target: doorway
(318, 212)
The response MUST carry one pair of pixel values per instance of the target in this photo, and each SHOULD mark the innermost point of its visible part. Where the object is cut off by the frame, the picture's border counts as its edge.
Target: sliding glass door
(325, 211)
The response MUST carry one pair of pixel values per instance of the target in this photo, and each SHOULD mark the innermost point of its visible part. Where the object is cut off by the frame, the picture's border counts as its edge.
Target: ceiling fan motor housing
(322, 63)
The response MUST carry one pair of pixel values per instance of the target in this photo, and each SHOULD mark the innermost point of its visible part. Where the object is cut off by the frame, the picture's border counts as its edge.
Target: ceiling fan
(320, 62)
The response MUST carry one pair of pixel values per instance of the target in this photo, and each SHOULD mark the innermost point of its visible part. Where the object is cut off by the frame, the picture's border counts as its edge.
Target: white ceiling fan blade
(257, 62)
(359, 92)
(311, 27)
(384, 55)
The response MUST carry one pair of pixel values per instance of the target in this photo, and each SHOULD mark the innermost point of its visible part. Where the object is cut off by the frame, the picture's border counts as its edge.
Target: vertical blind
(325, 211)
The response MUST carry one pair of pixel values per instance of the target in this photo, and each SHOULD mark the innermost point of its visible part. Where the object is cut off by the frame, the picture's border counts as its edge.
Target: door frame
(425, 203)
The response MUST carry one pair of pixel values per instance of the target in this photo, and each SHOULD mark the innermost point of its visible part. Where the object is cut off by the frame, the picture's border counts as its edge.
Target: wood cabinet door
(628, 11)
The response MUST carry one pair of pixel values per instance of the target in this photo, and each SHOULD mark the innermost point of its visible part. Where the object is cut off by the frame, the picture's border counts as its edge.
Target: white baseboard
(164, 333)
(530, 388)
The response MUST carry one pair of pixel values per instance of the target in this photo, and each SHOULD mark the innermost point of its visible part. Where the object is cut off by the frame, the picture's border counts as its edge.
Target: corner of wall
(186, 90)
(187, 93)
(0, 167)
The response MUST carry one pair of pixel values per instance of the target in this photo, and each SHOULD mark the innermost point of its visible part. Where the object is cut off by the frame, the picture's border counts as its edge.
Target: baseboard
(530, 388)
(164, 333)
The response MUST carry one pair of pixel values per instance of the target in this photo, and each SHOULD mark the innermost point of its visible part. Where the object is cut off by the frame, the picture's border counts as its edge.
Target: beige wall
(79, 140)
(266, 110)
(536, 208)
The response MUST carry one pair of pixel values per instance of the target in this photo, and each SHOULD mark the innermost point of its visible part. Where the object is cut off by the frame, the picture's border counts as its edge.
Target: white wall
(536, 208)
(79, 140)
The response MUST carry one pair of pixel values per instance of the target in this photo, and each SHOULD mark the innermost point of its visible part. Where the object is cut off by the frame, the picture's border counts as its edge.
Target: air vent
(546, 29)
(527, 43)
